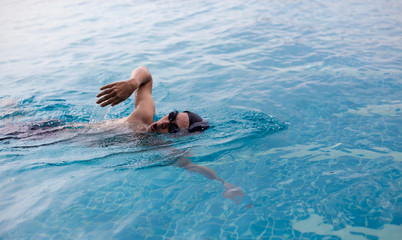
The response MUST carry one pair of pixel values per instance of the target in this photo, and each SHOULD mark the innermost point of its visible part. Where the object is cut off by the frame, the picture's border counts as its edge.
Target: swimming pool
(304, 99)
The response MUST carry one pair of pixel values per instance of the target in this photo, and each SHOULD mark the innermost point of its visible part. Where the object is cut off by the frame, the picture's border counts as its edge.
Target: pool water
(303, 97)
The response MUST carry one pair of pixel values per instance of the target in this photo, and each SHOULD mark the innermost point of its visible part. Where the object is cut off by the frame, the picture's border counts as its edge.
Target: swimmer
(144, 107)
(142, 118)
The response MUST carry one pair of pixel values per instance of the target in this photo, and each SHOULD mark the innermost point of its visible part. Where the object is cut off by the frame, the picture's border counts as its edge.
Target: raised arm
(117, 92)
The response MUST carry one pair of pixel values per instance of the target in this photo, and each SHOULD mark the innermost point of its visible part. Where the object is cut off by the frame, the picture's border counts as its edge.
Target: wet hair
(196, 123)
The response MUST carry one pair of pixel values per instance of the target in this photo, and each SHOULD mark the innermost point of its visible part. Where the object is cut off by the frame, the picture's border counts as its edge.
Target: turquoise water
(304, 99)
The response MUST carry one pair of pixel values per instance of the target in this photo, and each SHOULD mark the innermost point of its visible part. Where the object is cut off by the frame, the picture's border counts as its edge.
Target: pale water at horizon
(303, 97)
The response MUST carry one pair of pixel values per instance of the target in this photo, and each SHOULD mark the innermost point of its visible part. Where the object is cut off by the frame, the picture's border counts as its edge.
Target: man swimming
(143, 114)
(142, 119)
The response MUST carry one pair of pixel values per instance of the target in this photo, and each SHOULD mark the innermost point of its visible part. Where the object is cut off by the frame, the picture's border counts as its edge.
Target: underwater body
(303, 98)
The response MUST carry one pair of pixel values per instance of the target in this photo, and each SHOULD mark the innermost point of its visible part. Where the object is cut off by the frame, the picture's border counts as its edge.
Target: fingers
(113, 93)
(107, 97)
(113, 99)
(107, 86)
(104, 92)
(117, 102)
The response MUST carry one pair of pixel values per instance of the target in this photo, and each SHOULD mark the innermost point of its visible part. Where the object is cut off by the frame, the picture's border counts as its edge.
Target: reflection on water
(303, 98)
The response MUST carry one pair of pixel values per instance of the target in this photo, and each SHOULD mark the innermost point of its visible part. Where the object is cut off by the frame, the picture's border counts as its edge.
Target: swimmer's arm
(207, 172)
(117, 92)
(233, 192)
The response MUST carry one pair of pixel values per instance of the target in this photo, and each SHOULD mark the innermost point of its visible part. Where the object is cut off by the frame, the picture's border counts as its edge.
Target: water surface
(304, 100)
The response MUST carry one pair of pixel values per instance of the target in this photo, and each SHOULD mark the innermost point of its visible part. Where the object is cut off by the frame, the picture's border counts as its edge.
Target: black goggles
(173, 128)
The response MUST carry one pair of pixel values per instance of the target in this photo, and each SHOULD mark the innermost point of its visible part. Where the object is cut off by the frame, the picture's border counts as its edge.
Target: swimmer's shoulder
(134, 125)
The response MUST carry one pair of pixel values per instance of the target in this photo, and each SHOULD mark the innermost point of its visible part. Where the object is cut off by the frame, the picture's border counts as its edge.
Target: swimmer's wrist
(134, 84)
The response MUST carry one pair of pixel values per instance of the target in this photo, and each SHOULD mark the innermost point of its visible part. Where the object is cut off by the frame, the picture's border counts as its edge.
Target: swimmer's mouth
(153, 127)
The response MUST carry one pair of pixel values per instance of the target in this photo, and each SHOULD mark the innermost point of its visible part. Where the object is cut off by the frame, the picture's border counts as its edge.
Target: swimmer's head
(175, 122)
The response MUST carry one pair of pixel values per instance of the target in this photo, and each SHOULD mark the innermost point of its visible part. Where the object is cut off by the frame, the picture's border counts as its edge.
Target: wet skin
(162, 125)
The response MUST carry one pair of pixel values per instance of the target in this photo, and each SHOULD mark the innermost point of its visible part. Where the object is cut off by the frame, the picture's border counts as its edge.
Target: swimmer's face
(173, 122)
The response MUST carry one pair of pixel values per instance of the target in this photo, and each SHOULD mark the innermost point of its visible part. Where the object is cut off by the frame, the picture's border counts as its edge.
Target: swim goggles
(173, 128)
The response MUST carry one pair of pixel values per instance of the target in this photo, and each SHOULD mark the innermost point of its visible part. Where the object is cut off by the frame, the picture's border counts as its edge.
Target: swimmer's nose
(165, 125)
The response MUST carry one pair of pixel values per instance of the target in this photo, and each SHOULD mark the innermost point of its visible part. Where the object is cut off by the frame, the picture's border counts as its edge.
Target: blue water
(304, 99)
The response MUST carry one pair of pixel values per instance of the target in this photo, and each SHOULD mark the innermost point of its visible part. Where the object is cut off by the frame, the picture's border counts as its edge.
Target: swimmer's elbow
(143, 69)
(146, 72)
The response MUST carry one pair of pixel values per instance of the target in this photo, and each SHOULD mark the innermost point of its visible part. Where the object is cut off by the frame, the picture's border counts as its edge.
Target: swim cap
(196, 123)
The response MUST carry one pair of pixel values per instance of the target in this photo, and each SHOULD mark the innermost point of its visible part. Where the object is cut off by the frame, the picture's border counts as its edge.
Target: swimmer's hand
(116, 92)
(233, 192)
